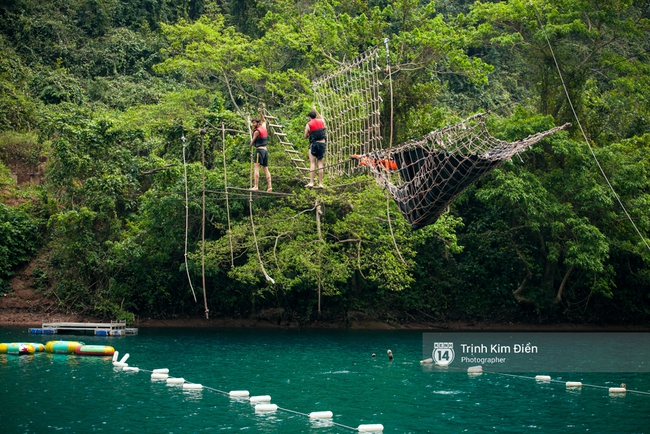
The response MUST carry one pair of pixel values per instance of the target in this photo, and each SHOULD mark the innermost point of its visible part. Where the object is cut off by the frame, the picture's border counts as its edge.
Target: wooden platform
(114, 328)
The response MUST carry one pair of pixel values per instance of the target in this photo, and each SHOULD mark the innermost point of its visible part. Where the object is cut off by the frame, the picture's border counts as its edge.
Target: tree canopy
(136, 115)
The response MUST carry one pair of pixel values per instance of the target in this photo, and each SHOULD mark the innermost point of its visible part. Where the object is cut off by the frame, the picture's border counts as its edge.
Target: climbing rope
(187, 220)
(390, 145)
(225, 185)
(390, 84)
(582, 131)
(390, 225)
(250, 208)
(205, 295)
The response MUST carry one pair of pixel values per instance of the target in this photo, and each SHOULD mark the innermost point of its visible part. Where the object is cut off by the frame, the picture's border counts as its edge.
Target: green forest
(122, 123)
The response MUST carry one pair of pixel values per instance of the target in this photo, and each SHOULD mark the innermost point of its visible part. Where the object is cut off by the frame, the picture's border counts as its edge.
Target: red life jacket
(262, 137)
(316, 130)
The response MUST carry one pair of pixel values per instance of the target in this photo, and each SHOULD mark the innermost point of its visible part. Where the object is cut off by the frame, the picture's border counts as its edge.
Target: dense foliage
(141, 107)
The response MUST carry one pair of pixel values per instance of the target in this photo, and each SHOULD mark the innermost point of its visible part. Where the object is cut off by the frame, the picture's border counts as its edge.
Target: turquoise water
(303, 371)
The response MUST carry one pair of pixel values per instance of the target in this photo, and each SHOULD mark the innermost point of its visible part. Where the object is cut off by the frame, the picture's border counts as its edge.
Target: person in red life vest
(384, 163)
(259, 140)
(316, 132)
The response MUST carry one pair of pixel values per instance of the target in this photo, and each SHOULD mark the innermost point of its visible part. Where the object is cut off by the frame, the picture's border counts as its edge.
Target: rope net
(349, 101)
(424, 175)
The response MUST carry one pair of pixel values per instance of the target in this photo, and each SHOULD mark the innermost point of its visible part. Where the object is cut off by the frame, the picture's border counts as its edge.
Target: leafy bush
(18, 242)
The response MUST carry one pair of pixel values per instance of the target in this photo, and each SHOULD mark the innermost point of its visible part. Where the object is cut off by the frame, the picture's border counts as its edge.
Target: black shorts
(261, 157)
(317, 149)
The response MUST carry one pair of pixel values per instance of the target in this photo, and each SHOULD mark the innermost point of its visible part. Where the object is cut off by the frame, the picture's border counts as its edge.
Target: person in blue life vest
(259, 140)
(315, 130)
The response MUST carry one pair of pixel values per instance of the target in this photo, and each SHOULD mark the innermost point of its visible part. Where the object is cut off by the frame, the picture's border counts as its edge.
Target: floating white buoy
(321, 415)
(266, 407)
(131, 369)
(120, 364)
(261, 398)
(193, 386)
(375, 427)
(125, 358)
(115, 355)
(159, 376)
(426, 361)
(475, 369)
(617, 390)
(573, 384)
(238, 394)
(175, 380)
(161, 371)
(543, 377)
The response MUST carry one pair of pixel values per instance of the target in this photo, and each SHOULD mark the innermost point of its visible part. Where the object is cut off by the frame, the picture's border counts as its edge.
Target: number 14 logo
(443, 353)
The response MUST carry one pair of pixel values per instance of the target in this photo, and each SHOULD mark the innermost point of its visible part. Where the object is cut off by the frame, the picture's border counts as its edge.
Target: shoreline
(34, 320)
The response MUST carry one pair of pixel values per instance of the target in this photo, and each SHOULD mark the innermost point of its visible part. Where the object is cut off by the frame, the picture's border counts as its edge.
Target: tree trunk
(558, 297)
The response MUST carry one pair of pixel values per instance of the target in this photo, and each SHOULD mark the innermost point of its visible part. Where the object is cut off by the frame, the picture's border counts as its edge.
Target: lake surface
(303, 371)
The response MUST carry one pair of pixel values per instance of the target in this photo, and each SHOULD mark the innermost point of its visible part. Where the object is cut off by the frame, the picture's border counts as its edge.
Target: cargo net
(349, 100)
(425, 175)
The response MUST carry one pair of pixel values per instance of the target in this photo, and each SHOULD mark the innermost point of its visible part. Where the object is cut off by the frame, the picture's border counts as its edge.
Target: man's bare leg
(320, 173)
(312, 169)
(256, 176)
(268, 179)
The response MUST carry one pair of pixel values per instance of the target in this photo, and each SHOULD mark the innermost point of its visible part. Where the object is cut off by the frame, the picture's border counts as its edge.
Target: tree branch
(558, 297)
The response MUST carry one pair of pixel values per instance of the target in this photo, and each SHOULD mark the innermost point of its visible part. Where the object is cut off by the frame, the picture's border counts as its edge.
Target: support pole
(187, 220)
(225, 186)
(319, 212)
(205, 296)
(250, 208)
(390, 82)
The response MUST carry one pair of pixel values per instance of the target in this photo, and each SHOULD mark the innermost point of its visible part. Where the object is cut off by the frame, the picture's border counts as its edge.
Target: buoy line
(260, 403)
(317, 413)
(573, 383)
(478, 370)
(217, 390)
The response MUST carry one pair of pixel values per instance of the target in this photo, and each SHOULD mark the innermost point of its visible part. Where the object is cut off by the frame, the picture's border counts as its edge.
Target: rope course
(424, 175)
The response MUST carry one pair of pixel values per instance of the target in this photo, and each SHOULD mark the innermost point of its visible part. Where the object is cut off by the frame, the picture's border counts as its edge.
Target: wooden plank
(248, 190)
(263, 192)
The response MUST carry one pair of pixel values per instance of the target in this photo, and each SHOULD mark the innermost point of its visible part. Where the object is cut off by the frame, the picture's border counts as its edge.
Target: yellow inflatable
(17, 349)
(62, 347)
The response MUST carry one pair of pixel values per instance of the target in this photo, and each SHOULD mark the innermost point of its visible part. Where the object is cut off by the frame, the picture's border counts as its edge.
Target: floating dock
(113, 328)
